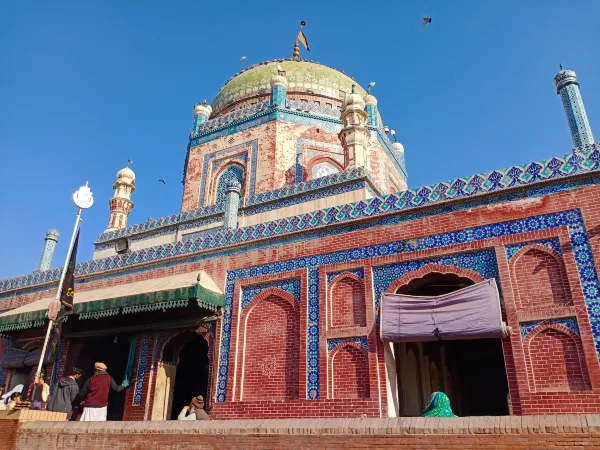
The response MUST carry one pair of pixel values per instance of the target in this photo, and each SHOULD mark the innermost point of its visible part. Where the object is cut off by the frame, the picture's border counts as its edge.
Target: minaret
(202, 112)
(371, 108)
(232, 204)
(121, 204)
(279, 87)
(354, 136)
(49, 247)
(567, 87)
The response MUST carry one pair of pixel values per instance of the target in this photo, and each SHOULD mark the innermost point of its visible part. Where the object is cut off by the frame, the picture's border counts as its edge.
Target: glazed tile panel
(482, 261)
(583, 161)
(568, 322)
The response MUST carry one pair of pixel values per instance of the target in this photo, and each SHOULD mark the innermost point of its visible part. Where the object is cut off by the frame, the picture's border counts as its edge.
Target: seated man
(195, 410)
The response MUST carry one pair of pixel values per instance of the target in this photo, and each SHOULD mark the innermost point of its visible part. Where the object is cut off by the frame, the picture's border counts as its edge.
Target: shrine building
(280, 288)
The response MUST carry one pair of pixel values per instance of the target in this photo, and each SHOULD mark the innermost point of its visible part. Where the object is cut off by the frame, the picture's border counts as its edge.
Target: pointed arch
(347, 301)
(232, 170)
(540, 277)
(555, 359)
(349, 371)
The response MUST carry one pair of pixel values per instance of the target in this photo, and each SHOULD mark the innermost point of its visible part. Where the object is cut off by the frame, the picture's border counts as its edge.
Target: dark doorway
(113, 352)
(191, 378)
(471, 372)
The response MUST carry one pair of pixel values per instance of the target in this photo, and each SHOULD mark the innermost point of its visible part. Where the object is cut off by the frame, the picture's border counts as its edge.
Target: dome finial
(296, 50)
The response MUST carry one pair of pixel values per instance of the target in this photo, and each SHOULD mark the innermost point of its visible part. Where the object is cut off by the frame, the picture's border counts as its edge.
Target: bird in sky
(162, 181)
(371, 85)
(243, 58)
(426, 20)
(129, 161)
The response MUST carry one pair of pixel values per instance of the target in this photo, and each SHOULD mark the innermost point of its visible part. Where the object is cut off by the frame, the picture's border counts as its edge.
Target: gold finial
(296, 50)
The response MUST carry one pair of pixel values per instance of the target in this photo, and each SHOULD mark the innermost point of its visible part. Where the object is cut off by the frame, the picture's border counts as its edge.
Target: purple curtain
(469, 313)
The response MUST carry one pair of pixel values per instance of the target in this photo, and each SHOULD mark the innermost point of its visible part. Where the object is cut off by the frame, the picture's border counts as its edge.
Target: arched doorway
(471, 372)
(182, 373)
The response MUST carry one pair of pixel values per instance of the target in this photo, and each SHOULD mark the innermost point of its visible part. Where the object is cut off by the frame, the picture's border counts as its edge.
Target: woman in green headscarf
(438, 405)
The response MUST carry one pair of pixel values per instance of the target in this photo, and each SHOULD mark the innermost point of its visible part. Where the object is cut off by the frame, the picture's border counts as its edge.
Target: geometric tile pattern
(569, 322)
(237, 151)
(362, 341)
(141, 372)
(232, 173)
(583, 160)
(483, 262)
(552, 244)
(360, 273)
(357, 173)
(291, 286)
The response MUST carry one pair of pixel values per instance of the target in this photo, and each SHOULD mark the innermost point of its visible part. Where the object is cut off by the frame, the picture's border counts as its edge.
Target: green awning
(148, 295)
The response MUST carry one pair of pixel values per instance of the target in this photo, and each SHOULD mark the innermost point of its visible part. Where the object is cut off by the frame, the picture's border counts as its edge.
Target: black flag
(68, 288)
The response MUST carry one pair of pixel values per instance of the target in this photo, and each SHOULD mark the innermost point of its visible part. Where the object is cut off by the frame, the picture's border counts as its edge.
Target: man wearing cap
(95, 394)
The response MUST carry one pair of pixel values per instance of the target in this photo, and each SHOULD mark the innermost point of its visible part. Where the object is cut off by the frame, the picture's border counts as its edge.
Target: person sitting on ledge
(15, 399)
(194, 411)
(438, 405)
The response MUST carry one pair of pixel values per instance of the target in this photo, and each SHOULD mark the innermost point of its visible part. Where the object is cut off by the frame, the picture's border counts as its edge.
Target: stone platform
(515, 433)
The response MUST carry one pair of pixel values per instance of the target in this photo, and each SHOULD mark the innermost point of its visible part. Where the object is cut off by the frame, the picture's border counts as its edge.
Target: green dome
(302, 76)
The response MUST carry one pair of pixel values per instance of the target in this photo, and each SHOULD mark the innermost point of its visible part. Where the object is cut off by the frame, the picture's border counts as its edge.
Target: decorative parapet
(583, 161)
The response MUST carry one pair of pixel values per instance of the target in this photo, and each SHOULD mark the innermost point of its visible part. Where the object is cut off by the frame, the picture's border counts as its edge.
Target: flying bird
(129, 161)
(426, 20)
(243, 58)
(162, 181)
(371, 85)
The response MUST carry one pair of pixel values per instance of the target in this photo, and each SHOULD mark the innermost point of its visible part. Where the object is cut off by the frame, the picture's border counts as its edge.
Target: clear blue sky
(86, 85)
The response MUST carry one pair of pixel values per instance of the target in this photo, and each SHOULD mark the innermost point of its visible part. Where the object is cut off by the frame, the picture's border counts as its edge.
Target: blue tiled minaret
(232, 204)
(202, 112)
(279, 86)
(567, 87)
(49, 247)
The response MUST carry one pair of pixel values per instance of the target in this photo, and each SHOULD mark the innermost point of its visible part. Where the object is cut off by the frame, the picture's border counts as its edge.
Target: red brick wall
(348, 302)
(541, 279)
(271, 350)
(350, 372)
(504, 433)
(555, 361)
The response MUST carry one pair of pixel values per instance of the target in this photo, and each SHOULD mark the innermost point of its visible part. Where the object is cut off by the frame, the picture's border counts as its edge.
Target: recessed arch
(321, 166)
(349, 371)
(540, 277)
(231, 170)
(347, 301)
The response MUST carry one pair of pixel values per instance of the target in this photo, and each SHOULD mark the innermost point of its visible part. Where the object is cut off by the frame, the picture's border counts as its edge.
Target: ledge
(521, 425)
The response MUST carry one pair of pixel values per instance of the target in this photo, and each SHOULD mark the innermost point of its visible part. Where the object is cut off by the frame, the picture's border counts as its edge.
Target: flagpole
(83, 199)
(38, 372)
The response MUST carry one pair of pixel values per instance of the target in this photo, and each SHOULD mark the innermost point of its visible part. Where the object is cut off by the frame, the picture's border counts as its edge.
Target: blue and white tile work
(291, 286)
(552, 244)
(360, 273)
(361, 340)
(584, 161)
(232, 173)
(483, 262)
(569, 322)
(247, 148)
(141, 371)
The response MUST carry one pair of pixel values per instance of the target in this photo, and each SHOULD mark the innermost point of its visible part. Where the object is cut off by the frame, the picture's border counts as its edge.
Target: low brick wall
(11, 420)
(515, 433)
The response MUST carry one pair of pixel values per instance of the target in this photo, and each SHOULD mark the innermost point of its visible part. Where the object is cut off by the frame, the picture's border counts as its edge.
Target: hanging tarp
(469, 313)
(13, 359)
